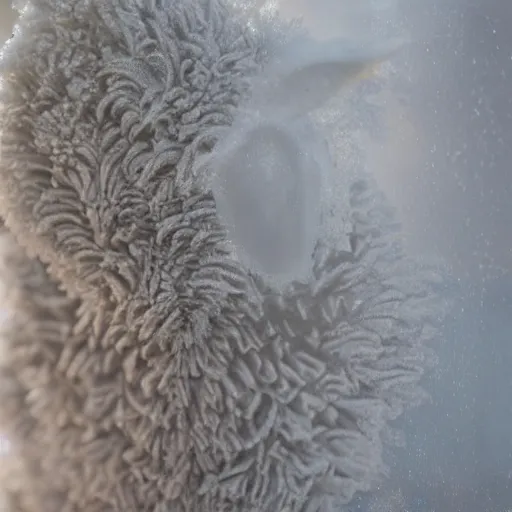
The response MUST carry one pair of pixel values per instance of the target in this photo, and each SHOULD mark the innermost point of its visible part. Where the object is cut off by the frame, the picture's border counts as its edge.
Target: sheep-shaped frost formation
(157, 357)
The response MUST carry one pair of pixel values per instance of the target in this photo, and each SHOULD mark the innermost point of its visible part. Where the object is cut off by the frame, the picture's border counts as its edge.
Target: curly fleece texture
(143, 368)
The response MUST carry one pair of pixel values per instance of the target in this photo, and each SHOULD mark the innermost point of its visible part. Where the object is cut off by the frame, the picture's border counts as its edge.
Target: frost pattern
(144, 368)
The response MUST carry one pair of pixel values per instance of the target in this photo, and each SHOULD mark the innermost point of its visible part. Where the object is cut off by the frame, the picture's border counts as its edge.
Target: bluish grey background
(460, 69)
(455, 194)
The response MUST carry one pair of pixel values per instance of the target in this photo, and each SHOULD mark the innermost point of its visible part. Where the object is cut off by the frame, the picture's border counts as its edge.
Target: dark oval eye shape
(268, 194)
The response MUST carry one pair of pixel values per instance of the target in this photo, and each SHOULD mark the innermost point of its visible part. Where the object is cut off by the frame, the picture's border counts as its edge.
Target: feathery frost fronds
(145, 368)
